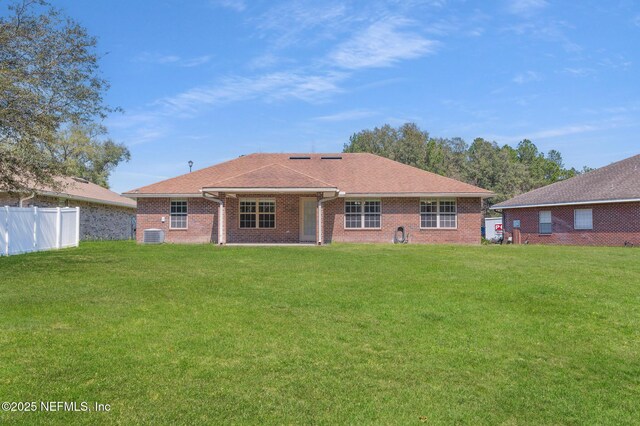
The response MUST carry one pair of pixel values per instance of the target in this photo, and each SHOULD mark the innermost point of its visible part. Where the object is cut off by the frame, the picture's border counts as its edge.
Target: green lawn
(353, 334)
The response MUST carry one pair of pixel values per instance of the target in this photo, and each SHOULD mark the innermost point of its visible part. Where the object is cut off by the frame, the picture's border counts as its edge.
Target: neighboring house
(313, 198)
(601, 207)
(104, 215)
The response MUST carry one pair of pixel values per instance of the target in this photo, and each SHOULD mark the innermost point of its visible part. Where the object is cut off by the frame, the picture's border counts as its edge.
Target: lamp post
(190, 165)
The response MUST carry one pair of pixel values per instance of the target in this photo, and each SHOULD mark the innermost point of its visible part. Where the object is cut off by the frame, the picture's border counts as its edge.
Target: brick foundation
(613, 225)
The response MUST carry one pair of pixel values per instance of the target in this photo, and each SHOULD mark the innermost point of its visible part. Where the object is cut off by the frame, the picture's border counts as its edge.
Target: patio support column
(222, 229)
(319, 222)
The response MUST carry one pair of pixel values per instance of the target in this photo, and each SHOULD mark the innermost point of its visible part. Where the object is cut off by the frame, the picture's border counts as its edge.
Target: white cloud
(526, 77)
(572, 129)
(355, 114)
(267, 60)
(382, 44)
(292, 23)
(526, 7)
(236, 5)
(194, 62)
(154, 58)
(578, 72)
(564, 131)
(269, 87)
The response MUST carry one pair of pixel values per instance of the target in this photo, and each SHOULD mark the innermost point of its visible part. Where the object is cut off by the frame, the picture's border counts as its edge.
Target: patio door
(308, 219)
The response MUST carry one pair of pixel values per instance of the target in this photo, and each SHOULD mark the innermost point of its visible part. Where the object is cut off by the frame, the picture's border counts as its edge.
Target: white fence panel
(46, 237)
(68, 231)
(24, 230)
(22, 225)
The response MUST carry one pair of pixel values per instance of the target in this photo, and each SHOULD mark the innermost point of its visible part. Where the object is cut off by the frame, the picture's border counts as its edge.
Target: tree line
(502, 169)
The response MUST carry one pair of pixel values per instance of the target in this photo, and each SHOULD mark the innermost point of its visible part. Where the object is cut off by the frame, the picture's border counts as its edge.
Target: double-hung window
(544, 222)
(257, 213)
(437, 213)
(178, 216)
(583, 219)
(362, 214)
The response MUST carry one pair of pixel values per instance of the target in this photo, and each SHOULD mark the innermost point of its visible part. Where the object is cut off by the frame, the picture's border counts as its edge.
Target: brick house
(310, 198)
(104, 215)
(601, 207)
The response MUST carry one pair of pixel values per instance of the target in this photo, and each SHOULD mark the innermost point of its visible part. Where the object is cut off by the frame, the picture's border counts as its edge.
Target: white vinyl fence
(23, 230)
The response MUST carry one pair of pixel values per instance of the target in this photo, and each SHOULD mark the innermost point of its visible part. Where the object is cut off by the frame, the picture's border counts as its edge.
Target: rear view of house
(310, 198)
(601, 207)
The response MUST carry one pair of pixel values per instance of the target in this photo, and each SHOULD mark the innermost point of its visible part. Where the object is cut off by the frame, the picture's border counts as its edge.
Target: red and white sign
(498, 227)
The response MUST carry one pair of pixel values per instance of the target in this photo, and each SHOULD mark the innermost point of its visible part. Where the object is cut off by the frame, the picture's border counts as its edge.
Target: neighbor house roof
(617, 182)
(82, 190)
(349, 173)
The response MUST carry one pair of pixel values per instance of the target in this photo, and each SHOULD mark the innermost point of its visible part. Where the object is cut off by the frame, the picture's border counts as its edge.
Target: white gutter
(22, 200)
(321, 215)
(417, 194)
(221, 231)
(568, 203)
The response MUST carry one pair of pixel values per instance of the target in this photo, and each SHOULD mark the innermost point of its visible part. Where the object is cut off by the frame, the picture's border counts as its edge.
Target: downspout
(27, 198)
(221, 231)
(321, 216)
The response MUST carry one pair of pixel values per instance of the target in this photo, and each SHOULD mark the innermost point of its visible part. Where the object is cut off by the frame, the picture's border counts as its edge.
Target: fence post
(58, 228)
(77, 226)
(36, 224)
(6, 232)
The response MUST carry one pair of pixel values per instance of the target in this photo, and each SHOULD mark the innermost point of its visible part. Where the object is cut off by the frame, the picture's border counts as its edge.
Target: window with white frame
(438, 213)
(583, 219)
(178, 216)
(257, 213)
(362, 214)
(544, 222)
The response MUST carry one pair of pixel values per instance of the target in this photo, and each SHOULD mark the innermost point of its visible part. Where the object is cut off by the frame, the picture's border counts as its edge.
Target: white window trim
(575, 211)
(186, 215)
(362, 214)
(257, 213)
(437, 200)
(550, 222)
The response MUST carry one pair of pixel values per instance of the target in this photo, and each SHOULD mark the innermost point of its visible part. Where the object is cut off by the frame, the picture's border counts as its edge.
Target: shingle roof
(80, 189)
(617, 181)
(352, 173)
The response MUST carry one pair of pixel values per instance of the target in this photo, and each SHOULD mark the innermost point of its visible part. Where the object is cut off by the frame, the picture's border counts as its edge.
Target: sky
(209, 80)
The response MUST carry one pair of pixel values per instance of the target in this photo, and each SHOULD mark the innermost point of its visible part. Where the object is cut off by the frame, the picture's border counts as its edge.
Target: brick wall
(404, 212)
(395, 212)
(202, 225)
(613, 224)
(97, 221)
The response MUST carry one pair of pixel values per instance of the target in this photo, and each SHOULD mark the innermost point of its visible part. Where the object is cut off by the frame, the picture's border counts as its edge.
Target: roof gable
(271, 176)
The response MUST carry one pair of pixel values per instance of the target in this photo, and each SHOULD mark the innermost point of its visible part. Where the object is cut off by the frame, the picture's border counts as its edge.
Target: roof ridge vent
(299, 157)
(331, 157)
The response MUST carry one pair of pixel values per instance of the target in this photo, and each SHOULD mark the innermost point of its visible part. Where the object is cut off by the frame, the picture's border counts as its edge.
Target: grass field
(353, 334)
